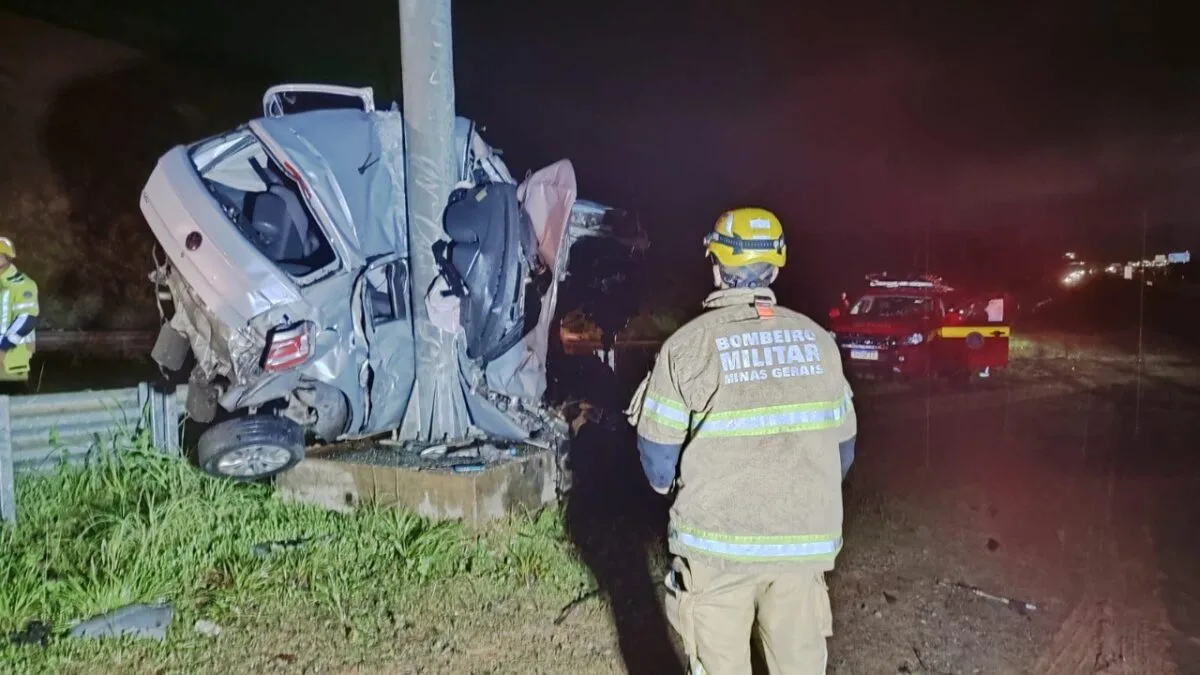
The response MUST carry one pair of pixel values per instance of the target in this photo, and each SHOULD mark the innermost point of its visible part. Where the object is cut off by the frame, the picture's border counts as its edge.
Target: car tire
(251, 448)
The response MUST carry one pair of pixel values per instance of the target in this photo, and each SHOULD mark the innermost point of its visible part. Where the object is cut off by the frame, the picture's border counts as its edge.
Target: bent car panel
(356, 184)
(298, 298)
(233, 280)
(283, 99)
(383, 294)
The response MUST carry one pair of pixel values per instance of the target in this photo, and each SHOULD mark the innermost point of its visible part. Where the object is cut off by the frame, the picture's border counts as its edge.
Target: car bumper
(904, 361)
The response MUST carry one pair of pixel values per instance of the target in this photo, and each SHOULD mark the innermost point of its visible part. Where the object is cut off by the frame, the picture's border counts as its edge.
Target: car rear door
(383, 298)
(977, 337)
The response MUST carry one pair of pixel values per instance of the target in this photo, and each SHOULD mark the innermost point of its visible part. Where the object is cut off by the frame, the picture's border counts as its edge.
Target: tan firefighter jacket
(755, 394)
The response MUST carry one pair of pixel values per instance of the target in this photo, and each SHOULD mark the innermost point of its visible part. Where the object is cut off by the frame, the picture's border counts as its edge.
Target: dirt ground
(1041, 523)
(1036, 523)
(1064, 487)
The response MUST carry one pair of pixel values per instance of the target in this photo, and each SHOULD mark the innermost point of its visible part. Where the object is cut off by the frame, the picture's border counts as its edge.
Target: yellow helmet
(6, 248)
(746, 236)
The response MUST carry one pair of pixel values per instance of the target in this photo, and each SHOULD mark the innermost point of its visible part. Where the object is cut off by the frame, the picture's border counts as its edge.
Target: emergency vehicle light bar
(891, 283)
(921, 281)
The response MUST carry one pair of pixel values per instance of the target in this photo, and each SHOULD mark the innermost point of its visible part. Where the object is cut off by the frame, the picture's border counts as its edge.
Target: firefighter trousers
(716, 613)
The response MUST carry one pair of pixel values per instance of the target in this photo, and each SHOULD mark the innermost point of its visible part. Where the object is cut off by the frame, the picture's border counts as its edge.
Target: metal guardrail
(8, 488)
(587, 344)
(40, 431)
(118, 342)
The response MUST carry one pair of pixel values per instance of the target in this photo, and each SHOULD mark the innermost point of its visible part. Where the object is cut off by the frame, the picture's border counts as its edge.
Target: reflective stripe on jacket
(18, 304)
(18, 322)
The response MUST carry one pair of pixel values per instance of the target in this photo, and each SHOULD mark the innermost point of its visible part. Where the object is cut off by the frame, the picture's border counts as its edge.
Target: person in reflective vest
(18, 316)
(749, 420)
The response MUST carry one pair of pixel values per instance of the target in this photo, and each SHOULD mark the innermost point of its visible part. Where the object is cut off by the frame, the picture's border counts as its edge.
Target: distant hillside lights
(1159, 263)
(1160, 260)
(1078, 271)
(1074, 277)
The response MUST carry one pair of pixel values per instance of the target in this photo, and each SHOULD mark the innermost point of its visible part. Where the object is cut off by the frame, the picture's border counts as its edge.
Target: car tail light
(287, 347)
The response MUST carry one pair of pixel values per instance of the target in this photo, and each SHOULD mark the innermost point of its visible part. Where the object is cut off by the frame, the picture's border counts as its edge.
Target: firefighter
(18, 316)
(747, 418)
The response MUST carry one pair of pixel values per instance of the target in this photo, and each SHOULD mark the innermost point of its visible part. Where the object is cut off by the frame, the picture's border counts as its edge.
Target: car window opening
(386, 292)
(263, 203)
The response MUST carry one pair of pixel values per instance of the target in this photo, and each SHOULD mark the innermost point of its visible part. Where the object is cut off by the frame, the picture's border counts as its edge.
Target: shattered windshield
(262, 202)
(893, 306)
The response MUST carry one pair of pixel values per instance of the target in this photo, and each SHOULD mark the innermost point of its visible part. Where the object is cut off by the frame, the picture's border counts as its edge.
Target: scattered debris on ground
(139, 621)
(207, 628)
(269, 548)
(34, 633)
(570, 606)
(1020, 606)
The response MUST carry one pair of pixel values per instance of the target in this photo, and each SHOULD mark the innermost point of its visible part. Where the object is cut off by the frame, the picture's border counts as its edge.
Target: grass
(141, 527)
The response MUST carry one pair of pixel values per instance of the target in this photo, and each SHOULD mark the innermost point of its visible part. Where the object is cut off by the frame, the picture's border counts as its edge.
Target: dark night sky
(998, 129)
(1056, 117)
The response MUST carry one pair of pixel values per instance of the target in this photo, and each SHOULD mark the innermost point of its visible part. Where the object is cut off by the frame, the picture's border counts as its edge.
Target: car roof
(342, 158)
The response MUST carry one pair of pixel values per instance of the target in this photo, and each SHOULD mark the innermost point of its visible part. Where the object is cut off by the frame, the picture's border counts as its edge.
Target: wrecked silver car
(287, 266)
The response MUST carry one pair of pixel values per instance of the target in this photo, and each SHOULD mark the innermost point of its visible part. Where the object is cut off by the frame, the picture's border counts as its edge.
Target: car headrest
(269, 209)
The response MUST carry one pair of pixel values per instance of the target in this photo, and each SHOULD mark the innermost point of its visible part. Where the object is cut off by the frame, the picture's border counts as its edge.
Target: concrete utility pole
(438, 409)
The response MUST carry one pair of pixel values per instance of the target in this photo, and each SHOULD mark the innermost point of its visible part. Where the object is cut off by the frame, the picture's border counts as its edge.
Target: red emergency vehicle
(918, 326)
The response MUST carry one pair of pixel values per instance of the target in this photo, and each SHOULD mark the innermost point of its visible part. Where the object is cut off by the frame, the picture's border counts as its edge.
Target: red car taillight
(287, 348)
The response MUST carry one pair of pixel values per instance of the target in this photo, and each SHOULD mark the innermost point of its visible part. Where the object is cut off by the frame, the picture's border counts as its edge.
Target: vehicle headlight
(914, 339)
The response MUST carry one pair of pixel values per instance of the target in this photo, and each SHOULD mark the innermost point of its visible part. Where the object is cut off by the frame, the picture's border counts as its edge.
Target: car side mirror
(835, 313)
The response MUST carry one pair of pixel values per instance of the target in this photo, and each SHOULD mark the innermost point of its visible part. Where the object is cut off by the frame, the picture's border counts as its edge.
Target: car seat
(281, 225)
(493, 251)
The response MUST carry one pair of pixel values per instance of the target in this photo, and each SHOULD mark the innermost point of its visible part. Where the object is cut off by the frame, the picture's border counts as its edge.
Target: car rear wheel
(251, 448)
